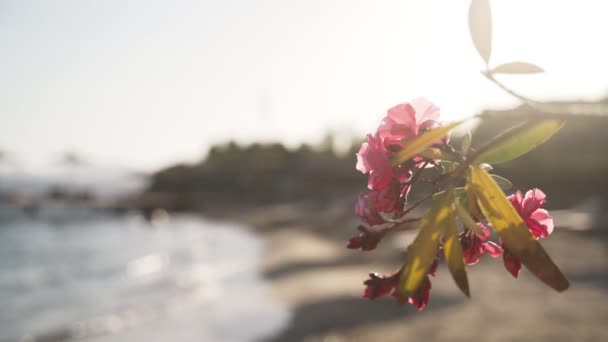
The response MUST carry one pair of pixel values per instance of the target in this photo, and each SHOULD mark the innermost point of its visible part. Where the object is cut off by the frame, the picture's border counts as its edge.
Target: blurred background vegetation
(570, 167)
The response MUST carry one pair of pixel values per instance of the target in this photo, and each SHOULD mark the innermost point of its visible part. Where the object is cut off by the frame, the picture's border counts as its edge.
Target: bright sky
(146, 83)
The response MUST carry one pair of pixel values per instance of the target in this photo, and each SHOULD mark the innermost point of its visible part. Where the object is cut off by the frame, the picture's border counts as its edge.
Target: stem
(416, 204)
(552, 110)
(530, 102)
(417, 175)
(403, 224)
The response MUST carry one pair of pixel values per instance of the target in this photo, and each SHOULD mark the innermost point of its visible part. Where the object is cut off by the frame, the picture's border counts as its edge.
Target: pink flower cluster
(389, 184)
(473, 245)
(378, 286)
(539, 222)
(384, 205)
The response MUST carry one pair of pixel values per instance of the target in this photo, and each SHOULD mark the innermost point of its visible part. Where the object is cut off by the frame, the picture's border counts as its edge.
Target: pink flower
(403, 173)
(388, 200)
(421, 298)
(367, 240)
(473, 245)
(372, 159)
(367, 211)
(378, 286)
(512, 264)
(406, 120)
(538, 220)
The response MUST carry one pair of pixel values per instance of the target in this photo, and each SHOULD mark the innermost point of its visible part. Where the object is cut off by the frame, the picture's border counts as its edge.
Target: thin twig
(530, 102)
(552, 110)
(416, 204)
(417, 175)
(403, 224)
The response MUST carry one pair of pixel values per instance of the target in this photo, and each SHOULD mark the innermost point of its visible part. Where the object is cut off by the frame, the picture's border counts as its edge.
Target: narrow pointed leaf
(458, 192)
(517, 68)
(514, 232)
(469, 202)
(423, 250)
(480, 27)
(502, 182)
(467, 220)
(466, 143)
(452, 250)
(519, 141)
(423, 141)
(432, 153)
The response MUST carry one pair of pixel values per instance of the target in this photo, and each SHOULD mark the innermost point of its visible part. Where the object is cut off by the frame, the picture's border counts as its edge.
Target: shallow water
(120, 278)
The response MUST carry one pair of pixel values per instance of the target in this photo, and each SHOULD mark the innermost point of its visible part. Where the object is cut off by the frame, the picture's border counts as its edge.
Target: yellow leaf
(470, 203)
(423, 250)
(452, 250)
(511, 228)
(423, 141)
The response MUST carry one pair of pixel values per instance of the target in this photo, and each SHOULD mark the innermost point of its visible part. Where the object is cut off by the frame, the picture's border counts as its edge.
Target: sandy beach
(312, 272)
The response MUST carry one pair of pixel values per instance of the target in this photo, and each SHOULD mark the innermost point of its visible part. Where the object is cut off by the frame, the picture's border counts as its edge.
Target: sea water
(93, 276)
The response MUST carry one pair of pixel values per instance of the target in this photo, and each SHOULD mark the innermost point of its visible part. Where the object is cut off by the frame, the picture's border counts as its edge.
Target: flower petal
(491, 248)
(512, 264)
(378, 286)
(366, 210)
(363, 164)
(533, 200)
(403, 114)
(472, 254)
(421, 298)
(355, 242)
(516, 200)
(425, 111)
(485, 231)
(538, 230)
(372, 159)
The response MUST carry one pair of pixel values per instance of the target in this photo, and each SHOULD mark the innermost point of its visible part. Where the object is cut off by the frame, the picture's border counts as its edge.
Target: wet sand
(312, 272)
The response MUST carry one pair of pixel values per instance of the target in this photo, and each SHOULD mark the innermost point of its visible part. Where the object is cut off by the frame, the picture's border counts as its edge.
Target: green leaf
(502, 182)
(423, 250)
(466, 219)
(466, 143)
(517, 68)
(432, 154)
(452, 250)
(423, 141)
(448, 166)
(458, 192)
(480, 27)
(519, 141)
(512, 229)
(470, 203)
